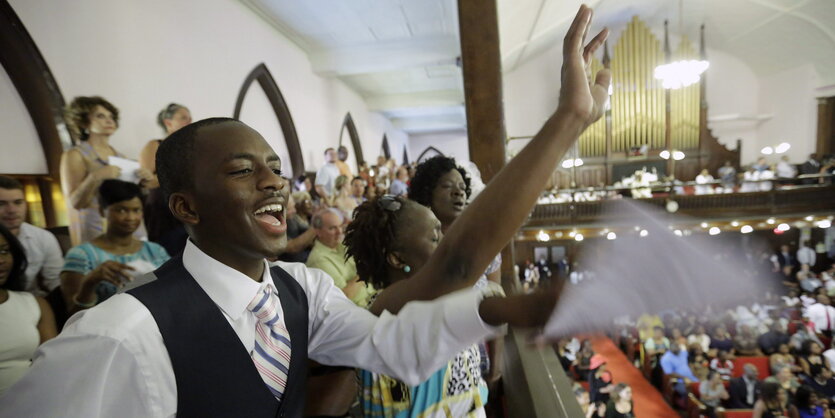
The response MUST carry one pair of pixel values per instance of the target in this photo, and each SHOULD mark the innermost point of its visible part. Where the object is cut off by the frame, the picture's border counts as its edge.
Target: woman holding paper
(95, 270)
(83, 167)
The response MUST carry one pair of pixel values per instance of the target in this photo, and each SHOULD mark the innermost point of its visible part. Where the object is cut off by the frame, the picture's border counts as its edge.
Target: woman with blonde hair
(163, 228)
(343, 200)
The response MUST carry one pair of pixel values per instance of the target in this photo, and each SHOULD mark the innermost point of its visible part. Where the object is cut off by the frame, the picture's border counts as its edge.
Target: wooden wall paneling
(481, 61)
(826, 126)
(282, 112)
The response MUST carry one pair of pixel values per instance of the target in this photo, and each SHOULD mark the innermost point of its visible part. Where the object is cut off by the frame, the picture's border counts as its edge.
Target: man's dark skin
(235, 173)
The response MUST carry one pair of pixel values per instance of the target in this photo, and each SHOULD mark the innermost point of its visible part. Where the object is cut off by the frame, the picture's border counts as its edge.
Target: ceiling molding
(792, 12)
(277, 24)
(422, 124)
(385, 56)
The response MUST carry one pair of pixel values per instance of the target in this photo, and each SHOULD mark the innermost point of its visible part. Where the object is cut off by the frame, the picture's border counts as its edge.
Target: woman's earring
(407, 269)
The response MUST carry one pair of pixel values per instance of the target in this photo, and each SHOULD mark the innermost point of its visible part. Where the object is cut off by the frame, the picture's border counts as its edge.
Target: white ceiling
(400, 54)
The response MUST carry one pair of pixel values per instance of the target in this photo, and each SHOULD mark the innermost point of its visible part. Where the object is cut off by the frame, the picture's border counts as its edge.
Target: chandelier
(678, 74)
(682, 73)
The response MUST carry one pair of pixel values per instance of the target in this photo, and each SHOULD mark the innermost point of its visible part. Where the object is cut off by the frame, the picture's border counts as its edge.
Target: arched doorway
(288, 129)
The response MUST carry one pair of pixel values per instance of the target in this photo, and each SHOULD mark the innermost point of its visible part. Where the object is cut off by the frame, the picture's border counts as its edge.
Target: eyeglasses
(389, 202)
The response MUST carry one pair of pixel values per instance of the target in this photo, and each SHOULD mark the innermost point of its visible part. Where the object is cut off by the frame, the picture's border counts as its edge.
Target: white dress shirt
(111, 360)
(326, 177)
(806, 255)
(44, 256)
(818, 312)
(786, 170)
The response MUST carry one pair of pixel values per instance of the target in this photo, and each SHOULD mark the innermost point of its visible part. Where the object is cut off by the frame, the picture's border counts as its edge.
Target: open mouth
(458, 205)
(271, 218)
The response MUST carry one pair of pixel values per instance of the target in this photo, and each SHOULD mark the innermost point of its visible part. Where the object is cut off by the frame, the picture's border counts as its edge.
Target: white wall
(733, 94)
(22, 152)
(531, 93)
(452, 144)
(790, 96)
(141, 55)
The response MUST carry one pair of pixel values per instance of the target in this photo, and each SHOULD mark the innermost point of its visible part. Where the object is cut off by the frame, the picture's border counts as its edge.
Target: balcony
(786, 201)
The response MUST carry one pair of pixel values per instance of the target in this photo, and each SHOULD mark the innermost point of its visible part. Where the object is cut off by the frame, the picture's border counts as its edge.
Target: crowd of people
(200, 317)
(761, 176)
(773, 355)
(125, 229)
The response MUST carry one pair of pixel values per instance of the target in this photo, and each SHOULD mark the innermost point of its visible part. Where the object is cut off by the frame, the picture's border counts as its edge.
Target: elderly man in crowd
(328, 255)
(745, 390)
(42, 250)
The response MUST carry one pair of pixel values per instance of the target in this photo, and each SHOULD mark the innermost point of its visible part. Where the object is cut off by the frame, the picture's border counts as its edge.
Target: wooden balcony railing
(784, 201)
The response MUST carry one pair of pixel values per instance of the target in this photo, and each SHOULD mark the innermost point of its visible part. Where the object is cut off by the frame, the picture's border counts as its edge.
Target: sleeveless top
(19, 317)
(87, 223)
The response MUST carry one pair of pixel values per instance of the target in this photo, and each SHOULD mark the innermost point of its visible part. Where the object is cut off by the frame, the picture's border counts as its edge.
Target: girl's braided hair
(372, 236)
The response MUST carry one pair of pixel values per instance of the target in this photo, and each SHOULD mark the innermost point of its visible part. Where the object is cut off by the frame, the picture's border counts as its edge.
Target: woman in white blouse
(25, 320)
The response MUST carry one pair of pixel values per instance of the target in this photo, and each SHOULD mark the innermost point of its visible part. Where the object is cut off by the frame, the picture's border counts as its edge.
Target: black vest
(215, 375)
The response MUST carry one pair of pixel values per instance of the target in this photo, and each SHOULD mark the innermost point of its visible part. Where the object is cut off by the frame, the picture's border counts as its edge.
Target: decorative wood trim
(35, 84)
(261, 74)
(481, 63)
(428, 150)
(348, 123)
(826, 126)
(386, 149)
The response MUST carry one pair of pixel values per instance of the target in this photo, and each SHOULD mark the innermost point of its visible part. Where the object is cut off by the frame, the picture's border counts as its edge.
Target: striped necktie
(271, 354)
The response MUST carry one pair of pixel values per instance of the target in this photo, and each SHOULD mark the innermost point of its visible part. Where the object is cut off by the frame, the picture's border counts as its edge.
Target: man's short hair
(329, 149)
(9, 183)
(317, 220)
(175, 156)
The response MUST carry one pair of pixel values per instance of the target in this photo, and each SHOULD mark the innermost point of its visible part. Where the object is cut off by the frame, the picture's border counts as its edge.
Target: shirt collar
(229, 289)
(25, 231)
(324, 247)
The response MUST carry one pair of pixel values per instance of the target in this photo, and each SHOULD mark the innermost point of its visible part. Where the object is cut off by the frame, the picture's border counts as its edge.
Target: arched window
(385, 150)
(351, 129)
(428, 153)
(31, 97)
(254, 115)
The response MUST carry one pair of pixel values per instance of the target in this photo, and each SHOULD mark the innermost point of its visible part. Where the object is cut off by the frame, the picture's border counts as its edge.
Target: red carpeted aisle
(647, 400)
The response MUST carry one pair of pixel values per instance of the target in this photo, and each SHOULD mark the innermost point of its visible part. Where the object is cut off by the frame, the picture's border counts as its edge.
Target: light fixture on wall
(779, 149)
(676, 154)
(681, 73)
